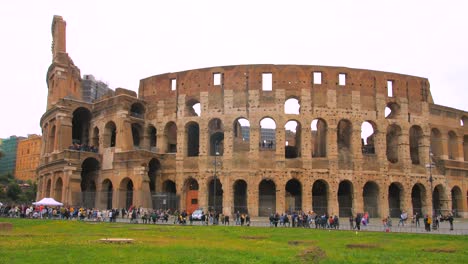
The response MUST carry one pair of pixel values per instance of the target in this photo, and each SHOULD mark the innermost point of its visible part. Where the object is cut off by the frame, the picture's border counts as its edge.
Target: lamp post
(431, 180)
(214, 184)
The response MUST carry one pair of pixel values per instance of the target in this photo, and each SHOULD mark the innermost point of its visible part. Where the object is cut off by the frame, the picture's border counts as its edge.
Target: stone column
(280, 196)
(306, 146)
(228, 201)
(252, 197)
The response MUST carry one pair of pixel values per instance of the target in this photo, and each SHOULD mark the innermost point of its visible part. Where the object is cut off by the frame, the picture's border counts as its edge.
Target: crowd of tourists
(83, 147)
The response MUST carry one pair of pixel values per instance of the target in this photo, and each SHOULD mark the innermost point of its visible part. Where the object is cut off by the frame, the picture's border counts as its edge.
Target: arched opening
(216, 132)
(440, 200)
(48, 188)
(153, 167)
(108, 192)
(170, 135)
(345, 198)
(80, 126)
(169, 187)
(370, 197)
(266, 198)
(457, 201)
(267, 134)
(393, 142)
(128, 192)
(193, 139)
(319, 138)
(320, 197)
(452, 145)
(58, 190)
(292, 106)
(344, 135)
(293, 196)
(368, 138)
(418, 198)
(191, 195)
(137, 110)
(192, 108)
(436, 142)
(395, 196)
(241, 135)
(463, 121)
(110, 135)
(415, 141)
(95, 139)
(240, 197)
(137, 135)
(152, 134)
(89, 174)
(293, 139)
(392, 110)
(215, 196)
(51, 143)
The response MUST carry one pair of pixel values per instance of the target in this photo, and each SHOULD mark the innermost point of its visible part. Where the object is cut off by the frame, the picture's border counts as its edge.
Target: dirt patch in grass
(440, 250)
(361, 246)
(299, 242)
(254, 237)
(312, 255)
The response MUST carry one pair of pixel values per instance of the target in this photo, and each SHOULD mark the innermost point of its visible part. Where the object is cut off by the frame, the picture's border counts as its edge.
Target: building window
(173, 84)
(342, 79)
(390, 88)
(317, 78)
(216, 78)
(267, 81)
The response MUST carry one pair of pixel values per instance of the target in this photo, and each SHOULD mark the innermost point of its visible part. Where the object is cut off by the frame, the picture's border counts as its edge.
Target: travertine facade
(158, 144)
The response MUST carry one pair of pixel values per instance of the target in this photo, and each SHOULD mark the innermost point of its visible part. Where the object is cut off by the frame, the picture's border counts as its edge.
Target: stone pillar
(306, 195)
(203, 193)
(280, 196)
(404, 156)
(252, 197)
(306, 146)
(384, 211)
(445, 146)
(358, 199)
(228, 201)
(333, 206)
(124, 139)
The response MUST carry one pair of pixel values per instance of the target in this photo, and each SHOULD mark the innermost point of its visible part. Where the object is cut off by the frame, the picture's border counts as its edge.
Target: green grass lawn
(53, 241)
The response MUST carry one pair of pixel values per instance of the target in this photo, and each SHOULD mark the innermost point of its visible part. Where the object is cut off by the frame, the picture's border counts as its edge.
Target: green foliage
(36, 241)
(13, 191)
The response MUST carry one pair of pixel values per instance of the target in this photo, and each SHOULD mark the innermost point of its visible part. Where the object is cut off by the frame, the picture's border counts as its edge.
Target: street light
(431, 180)
(214, 185)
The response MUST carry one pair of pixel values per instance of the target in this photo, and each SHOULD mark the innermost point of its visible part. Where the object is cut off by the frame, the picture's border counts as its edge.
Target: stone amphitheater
(257, 139)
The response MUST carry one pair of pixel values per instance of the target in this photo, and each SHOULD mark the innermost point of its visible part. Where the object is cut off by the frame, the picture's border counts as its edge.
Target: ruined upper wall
(294, 80)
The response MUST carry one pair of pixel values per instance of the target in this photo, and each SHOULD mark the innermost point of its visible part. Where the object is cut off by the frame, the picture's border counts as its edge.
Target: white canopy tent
(1, 204)
(48, 202)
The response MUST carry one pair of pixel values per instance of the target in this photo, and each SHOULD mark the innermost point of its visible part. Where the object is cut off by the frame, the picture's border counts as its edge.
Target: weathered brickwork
(158, 143)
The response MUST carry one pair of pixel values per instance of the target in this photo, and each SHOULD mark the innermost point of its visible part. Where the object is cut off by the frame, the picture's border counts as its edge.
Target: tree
(13, 191)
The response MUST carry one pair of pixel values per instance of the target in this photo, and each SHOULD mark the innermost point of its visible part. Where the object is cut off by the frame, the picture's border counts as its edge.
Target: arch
(395, 198)
(241, 139)
(393, 142)
(137, 135)
(319, 137)
(81, 122)
(170, 136)
(191, 195)
(137, 110)
(48, 188)
(436, 142)
(266, 197)
(415, 141)
(293, 139)
(58, 189)
(108, 191)
(464, 120)
(368, 129)
(216, 132)
(110, 135)
(267, 134)
(126, 192)
(192, 107)
(292, 106)
(370, 195)
(452, 145)
(215, 194)
(293, 196)
(345, 198)
(152, 133)
(418, 199)
(193, 139)
(89, 175)
(169, 187)
(240, 197)
(457, 200)
(392, 110)
(320, 197)
(440, 200)
(153, 167)
(95, 139)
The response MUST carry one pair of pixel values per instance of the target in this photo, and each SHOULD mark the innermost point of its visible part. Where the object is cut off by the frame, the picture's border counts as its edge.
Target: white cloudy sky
(121, 42)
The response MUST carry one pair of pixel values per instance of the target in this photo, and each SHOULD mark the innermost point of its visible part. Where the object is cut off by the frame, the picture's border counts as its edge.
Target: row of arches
(266, 192)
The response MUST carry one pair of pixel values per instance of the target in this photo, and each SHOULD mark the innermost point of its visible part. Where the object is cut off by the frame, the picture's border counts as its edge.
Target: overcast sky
(121, 42)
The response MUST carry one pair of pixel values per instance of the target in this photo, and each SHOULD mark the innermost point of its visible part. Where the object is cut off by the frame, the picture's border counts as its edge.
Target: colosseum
(256, 139)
